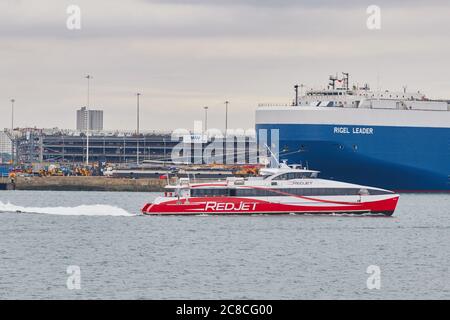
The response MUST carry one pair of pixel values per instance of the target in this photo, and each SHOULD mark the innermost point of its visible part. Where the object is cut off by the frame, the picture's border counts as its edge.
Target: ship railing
(275, 104)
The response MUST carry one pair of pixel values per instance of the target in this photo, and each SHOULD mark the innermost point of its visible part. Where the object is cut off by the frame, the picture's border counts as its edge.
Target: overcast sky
(183, 55)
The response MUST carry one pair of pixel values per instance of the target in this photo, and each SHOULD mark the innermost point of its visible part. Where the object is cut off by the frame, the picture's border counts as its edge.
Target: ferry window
(321, 191)
(281, 177)
(300, 175)
(213, 192)
(307, 192)
(378, 192)
(196, 193)
(280, 192)
(296, 175)
(244, 192)
(219, 192)
(303, 191)
(363, 192)
(334, 191)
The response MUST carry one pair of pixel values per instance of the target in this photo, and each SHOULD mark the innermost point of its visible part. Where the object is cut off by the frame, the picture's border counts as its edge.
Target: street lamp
(88, 77)
(164, 160)
(12, 130)
(12, 114)
(226, 116)
(137, 128)
(206, 118)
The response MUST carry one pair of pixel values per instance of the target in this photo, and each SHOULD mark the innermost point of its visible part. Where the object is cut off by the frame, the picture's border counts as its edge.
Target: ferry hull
(404, 159)
(246, 206)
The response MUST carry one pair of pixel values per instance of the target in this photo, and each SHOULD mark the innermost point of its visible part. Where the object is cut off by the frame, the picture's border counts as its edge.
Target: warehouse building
(68, 146)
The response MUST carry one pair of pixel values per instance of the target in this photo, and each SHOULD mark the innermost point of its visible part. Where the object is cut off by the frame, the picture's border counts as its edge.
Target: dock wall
(76, 183)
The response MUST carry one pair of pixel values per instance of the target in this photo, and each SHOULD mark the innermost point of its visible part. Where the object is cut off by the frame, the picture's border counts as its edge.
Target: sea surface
(123, 255)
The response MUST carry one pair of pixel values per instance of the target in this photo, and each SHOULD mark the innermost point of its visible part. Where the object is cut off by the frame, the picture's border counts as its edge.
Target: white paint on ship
(352, 116)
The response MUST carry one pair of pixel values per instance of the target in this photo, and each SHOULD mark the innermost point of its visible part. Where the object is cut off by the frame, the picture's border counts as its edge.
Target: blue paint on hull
(396, 158)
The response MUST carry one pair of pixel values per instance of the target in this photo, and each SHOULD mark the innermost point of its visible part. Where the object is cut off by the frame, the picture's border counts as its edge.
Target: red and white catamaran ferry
(282, 190)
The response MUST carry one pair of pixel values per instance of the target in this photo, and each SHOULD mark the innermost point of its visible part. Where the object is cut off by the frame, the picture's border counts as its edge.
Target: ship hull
(400, 158)
(383, 205)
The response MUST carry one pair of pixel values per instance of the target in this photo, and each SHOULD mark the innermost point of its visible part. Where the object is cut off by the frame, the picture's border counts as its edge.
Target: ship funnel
(346, 80)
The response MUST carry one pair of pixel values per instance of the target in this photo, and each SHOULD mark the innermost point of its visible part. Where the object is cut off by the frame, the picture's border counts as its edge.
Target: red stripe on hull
(240, 206)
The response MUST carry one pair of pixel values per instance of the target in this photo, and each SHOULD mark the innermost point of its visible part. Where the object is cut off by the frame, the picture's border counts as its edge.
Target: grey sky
(183, 55)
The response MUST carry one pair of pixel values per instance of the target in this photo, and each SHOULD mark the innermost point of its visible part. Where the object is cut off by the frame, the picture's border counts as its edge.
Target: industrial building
(69, 146)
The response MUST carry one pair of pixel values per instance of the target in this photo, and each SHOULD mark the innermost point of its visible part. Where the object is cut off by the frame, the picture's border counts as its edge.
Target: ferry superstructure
(280, 190)
(394, 140)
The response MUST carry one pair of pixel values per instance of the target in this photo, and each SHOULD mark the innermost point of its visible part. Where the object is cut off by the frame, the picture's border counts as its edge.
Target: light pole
(206, 118)
(12, 130)
(164, 140)
(137, 128)
(88, 77)
(226, 117)
(12, 114)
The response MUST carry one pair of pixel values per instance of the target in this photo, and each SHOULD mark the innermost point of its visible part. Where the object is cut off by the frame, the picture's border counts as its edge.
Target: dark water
(259, 257)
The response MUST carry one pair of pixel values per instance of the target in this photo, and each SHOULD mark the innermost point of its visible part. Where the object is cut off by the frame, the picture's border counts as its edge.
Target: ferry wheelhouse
(283, 190)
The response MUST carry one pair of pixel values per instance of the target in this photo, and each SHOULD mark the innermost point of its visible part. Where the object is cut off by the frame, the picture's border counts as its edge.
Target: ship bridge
(339, 94)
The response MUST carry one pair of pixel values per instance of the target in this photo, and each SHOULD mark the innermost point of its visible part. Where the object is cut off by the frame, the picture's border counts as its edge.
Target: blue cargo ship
(393, 140)
(4, 170)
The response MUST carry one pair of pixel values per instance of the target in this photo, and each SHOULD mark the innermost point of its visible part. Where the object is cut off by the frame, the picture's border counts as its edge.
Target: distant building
(5, 147)
(67, 146)
(95, 119)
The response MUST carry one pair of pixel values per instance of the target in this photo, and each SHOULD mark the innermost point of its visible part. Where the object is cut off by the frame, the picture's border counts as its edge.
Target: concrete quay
(89, 183)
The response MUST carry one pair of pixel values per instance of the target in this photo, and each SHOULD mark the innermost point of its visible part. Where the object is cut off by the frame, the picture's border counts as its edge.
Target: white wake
(83, 210)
